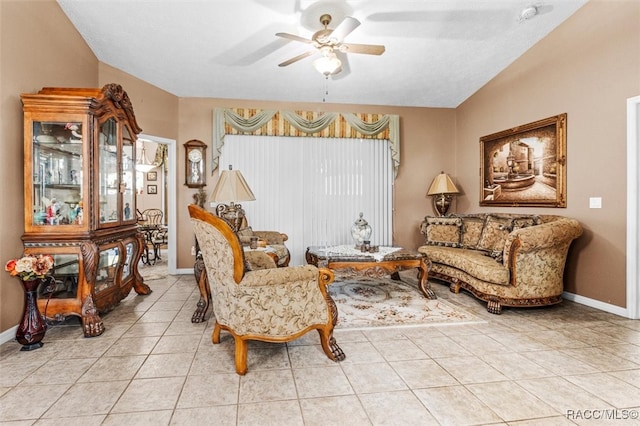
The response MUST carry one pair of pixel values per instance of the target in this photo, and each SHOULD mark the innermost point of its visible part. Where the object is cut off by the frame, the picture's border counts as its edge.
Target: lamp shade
(231, 187)
(442, 184)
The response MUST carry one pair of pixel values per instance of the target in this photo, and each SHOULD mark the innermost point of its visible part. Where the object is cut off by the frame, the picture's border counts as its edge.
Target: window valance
(243, 121)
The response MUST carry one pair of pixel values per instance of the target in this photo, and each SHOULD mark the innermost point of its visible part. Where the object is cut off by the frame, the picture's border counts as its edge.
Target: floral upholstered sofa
(503, 259)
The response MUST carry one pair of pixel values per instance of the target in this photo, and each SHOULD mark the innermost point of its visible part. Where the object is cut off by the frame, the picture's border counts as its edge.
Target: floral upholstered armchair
(275, 241)
(274, 255)
(271, 305)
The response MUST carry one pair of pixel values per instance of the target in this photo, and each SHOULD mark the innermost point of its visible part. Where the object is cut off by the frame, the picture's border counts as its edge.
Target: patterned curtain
(245, 121)
(160, 158)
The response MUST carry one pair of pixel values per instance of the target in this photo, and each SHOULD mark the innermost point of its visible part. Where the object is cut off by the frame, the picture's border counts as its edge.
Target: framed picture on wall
(152, 189)
(152, 175)
(525, 166)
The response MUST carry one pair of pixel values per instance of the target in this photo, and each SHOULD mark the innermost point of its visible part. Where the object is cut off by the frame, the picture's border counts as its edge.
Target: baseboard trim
(607, 307)
(8, 335)
(184, 271)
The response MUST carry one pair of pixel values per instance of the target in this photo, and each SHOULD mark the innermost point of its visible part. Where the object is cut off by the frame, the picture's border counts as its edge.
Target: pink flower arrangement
(30, 267)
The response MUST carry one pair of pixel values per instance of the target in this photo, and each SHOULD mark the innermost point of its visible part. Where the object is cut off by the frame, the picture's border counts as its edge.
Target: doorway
(169, 197)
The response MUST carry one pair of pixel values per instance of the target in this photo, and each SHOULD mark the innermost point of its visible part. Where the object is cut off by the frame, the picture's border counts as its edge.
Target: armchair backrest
(221, 250)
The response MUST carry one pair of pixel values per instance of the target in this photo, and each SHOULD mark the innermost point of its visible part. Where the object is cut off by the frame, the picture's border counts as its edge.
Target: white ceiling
(438, 52)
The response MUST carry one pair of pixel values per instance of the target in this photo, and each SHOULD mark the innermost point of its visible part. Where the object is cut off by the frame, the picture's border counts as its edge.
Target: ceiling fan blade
(294, 37)
(344, 29)
(345, 68)
(367, 49)
(297, 58)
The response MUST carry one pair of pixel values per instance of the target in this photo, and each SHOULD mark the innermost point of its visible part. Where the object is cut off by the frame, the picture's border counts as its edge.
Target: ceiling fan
(328, 42)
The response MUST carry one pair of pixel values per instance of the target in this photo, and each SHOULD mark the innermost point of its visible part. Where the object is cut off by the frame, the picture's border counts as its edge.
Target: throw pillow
(472, 227)
(442, 231)
(494, 234)
(256, 260)
(524, 222)
(244, 235)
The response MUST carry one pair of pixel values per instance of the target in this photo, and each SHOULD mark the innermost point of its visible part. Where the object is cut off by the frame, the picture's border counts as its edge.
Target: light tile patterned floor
(567, 364)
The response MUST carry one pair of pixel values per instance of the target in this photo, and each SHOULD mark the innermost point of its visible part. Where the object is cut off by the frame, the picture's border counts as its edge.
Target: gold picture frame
(525, 166)
(152, 175)
(152, 189)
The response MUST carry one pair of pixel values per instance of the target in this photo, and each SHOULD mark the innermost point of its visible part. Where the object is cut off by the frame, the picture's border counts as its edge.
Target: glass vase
(361, 231)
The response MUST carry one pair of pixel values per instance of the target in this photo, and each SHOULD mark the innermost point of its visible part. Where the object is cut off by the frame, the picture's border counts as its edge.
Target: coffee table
(390, 260)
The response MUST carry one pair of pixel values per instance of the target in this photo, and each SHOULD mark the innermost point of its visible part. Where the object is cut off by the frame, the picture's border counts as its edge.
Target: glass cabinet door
(127, 269)
(109, 178)
(66, 272)
(107, 268)
(128, 180)
(57, 173)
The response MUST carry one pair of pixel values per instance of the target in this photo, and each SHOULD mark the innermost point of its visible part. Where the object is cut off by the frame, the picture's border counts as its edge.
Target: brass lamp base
(441, 203)
(232, 213)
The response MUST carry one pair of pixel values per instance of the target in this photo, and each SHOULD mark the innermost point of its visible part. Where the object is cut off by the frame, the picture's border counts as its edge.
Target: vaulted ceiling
(437, 52)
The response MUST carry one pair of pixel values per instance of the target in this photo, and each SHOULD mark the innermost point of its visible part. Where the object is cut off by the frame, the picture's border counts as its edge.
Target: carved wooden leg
(92, 324)
(494, 307)
(454, 286)
(338, 354)
(215, 337)
(241, 356)
(423, 276)
(205, 292)
(141, 288)
(329, 345)
(138, 283)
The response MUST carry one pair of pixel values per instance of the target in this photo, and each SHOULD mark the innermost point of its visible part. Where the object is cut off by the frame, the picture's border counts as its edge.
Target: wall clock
(195, 159)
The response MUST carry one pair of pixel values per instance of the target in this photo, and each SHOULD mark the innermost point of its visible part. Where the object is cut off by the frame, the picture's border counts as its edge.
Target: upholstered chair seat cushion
(474, 262)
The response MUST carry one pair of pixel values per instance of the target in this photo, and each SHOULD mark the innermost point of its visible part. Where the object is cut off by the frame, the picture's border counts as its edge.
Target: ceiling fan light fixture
(328, 64)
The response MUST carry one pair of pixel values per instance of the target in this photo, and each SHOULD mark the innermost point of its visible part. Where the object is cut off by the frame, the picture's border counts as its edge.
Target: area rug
(366, 303)
(156, 271)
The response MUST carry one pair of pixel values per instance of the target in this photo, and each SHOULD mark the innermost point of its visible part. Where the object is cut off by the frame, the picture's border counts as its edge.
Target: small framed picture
(152, 175)
(152, 189)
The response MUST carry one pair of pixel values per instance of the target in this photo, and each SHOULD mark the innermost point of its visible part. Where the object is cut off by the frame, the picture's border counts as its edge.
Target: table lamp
(442, 188)
(231, 187)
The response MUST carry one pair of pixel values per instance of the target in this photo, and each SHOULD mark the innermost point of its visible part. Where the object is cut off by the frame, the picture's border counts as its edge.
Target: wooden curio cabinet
(80, 199)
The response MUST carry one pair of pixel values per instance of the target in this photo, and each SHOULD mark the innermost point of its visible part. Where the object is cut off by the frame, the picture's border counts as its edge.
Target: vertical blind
(313, 189)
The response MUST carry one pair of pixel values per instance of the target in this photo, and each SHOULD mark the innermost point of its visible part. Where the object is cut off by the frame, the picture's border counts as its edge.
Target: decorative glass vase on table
(361, 232)
(32, 272)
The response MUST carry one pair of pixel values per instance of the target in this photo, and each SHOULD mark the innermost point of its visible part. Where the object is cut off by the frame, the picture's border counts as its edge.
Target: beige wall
(587, 68)
(156, 110)
(40, 48)
(427, 135)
